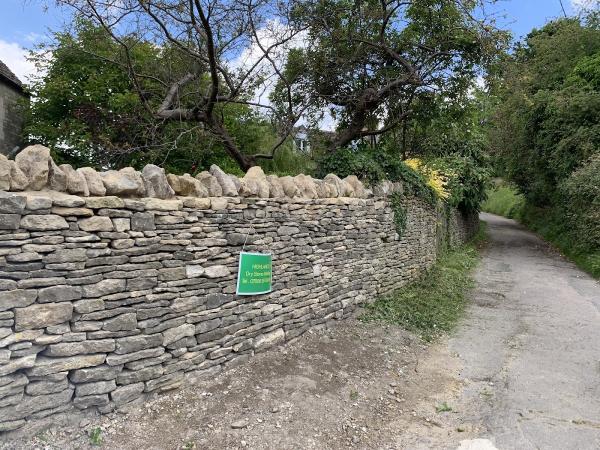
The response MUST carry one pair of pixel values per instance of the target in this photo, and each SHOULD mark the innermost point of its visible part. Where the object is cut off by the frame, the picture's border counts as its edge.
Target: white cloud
(273, 31)
(34, 37)
(15, 57)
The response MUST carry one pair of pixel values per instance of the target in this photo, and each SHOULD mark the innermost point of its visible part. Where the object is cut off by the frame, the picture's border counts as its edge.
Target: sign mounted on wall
(254, 274)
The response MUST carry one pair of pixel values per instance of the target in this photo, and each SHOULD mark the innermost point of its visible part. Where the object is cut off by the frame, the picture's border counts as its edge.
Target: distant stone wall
(106, 299)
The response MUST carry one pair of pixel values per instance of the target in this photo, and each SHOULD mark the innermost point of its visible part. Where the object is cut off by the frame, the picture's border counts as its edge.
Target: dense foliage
(547, 122)
(374, 165)
(467, 180)
(458, 180)
(371, 65)
(580, 196)
(398, 80)
(87, 110)
(545, 136)
(186, 83)
(400, 217)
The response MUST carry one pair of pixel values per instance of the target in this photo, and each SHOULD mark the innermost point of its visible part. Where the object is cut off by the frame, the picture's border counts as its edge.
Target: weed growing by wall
(399, 212)
(432, 305)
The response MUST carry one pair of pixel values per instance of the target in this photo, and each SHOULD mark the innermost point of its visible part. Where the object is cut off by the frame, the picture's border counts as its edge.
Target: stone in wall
(94, 181)
(57, 179)
(126, 182)
(76, 182)
(156, 183)
(275, 187)
(18, 180)
(4, 173)
(12, 177)
(210, 183)
(255, 184)
(289, 186)
(34, 170)
(341, 188)
(34, 162)
(187, 186)
(306, 186)
(228, 187)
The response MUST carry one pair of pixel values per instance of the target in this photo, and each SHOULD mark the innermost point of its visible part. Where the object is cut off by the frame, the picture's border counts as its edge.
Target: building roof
(7, 75)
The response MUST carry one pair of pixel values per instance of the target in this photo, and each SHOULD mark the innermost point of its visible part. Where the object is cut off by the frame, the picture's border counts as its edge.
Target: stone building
(11, 119)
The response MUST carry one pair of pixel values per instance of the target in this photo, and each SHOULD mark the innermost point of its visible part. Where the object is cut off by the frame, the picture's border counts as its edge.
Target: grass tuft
(95, 436)
(444, 407)
(432, 305)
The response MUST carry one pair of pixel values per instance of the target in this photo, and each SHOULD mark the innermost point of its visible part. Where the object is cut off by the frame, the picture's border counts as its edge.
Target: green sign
(254, 274)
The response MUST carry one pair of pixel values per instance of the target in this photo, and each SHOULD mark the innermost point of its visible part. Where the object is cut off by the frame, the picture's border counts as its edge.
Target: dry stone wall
(105, 299)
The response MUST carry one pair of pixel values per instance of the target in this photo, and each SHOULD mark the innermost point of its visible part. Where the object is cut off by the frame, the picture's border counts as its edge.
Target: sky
(25, 23)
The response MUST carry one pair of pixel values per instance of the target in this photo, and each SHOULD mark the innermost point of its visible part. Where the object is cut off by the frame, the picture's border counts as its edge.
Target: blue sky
(23, 23)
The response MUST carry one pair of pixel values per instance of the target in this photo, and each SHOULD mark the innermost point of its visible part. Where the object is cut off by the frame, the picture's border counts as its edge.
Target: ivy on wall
(399, 212)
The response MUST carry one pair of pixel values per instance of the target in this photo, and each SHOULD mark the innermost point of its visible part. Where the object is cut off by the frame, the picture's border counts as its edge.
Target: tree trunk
(404, 125)
(351, 132)
(243, 161)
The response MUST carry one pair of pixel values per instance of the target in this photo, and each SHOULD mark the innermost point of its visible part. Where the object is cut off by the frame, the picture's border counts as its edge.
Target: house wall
(11, 120)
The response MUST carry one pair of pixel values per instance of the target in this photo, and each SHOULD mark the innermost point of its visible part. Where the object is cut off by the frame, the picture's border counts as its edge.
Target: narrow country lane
(531, 346)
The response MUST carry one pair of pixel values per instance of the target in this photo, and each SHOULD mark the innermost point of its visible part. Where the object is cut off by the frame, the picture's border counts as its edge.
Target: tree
(368, 62)
(364, 61)
(547, 121)
(88, 111)
(84, 103)
(201, 45)
(443, 125)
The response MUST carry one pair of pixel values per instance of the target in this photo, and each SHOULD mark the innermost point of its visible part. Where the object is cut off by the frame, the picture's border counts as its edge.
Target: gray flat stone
(99, 373)
(59, 294)
(44, 222)
(174, 334)
(104, 287)
(17, 364)
(216, 271)
(142, 221)
(80, 348)
(123, 322)
(115, 360)
(17, 298)
(46, 387)
(10, 221)
(30, 405)
(48, 365)
(11, 203)
(96, 223)
(95, 388)
(91, 400)
(40, 316)
(125, 394)
(132, 344)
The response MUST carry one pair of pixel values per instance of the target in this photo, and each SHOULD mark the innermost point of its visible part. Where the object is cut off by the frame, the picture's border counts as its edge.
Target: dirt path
(353, 386)
(523, 371)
